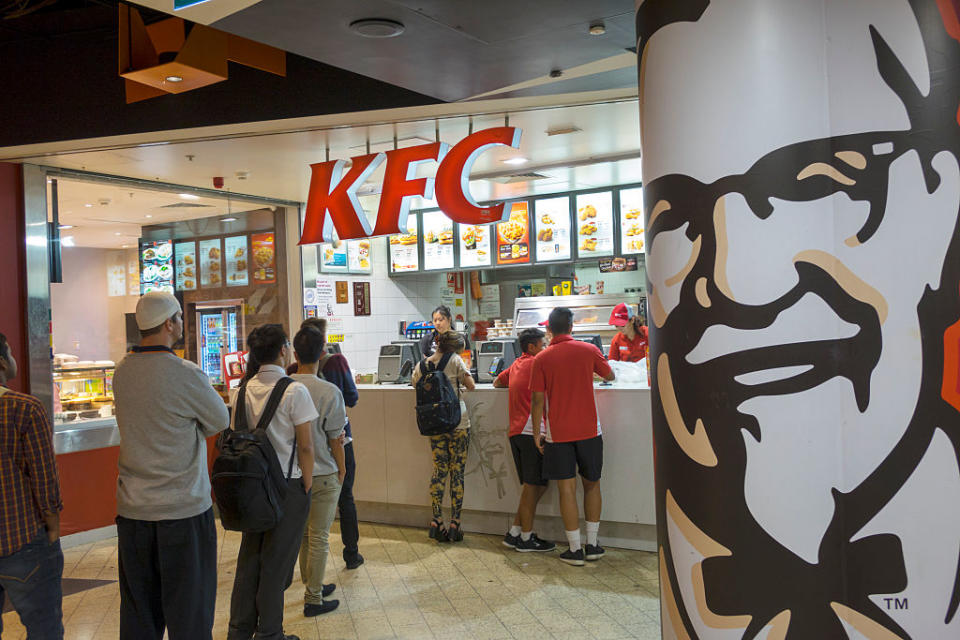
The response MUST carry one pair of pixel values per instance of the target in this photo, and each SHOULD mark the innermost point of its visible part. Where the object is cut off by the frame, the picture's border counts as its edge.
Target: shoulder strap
(274, 402)
(444, 361)
(425, 366)
(240, 409)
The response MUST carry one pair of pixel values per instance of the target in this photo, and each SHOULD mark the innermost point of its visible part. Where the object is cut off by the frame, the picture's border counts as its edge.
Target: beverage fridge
(220, 330)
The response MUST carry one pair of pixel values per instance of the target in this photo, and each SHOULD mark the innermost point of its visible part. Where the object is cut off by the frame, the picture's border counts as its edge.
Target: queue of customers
(166, 409)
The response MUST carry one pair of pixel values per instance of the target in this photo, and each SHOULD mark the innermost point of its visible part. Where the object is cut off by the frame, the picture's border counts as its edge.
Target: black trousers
(264, 568)
(168, 577)
(349, 527)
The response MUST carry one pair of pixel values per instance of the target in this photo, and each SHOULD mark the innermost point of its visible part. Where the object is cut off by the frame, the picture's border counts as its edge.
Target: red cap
(621, 315)
(544, 323)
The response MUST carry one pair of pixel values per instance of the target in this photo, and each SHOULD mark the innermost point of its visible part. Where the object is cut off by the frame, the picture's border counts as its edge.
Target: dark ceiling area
(449, 49)
(58, 66)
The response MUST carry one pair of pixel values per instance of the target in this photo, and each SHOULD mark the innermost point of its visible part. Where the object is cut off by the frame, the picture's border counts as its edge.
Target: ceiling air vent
(518, 177)
(185, 205)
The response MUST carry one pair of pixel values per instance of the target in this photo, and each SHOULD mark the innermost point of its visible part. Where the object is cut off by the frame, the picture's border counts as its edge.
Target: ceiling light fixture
(562, 131)
(149, 215)
(231, 219)
(598, 28)
(67, 241)
(377, 28)
(174, 78)
(117, 233)
(66, 226)
(516, 160)
(189, 196)
(88, 205)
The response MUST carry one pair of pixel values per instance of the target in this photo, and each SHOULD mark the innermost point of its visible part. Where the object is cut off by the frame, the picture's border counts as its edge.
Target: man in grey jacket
(167, 539)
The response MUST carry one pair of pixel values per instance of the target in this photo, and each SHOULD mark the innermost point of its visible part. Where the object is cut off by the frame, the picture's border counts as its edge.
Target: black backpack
(248, 483)
(438, 405)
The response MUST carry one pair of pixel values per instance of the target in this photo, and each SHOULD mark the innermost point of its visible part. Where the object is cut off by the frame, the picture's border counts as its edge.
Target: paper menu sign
(186, 254)
(332, 257)
(211, 263)
(553, 229)
(404, 249)
(595, 224)
(513, 236)
(474, 245)
(631, 221)
(437, 241)
(358, 256)
(263, 253)
(236, 259)
(156, 262)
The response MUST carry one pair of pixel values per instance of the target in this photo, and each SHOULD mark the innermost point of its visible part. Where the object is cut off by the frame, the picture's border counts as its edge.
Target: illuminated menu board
(475, 245)
(595, 224)
(186, 253)
(404, 256)
(236, 260)
(333, 257)
(264, 258)
(513, 236)
(631, 221)
(437, 241)
(552, 219)
(156, 267)
(211, 263)
(358, 256)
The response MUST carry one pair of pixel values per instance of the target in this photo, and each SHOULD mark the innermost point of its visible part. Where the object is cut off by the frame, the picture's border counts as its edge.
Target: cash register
(493, 356)
(592, 338)
(397, 361)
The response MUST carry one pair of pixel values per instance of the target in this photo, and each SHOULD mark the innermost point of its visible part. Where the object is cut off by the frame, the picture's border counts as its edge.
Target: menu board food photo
(186, 254)
(156, 267)
(474, 245)
(595, 224)
(211, 263)
(333, 257)
(264, 253)
(437, 241)
(404, 254)
(513, 236)
(236, 260)
(631, 221)
(553, 229)
(358, 256)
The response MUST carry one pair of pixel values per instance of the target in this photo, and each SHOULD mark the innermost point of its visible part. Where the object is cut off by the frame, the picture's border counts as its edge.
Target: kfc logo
(332, 203)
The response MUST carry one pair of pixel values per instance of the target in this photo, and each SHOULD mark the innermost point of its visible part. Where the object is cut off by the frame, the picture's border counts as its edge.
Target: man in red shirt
(563, 375)
(630, 344)
(31, 561)
(526, 455)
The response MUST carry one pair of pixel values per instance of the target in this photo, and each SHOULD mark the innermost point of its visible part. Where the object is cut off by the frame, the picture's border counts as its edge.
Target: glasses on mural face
(858, 165)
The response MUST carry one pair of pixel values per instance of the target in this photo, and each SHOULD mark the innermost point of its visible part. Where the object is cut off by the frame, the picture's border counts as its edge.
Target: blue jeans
(31, 577)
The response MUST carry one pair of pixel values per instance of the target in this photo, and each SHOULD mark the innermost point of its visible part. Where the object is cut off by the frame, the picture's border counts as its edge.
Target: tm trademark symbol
(896, 603)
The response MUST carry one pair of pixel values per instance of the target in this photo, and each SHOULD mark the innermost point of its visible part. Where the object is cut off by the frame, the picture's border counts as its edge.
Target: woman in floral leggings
(449, 450)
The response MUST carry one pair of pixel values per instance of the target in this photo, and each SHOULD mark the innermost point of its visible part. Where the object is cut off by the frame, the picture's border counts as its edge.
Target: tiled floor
(411, 587)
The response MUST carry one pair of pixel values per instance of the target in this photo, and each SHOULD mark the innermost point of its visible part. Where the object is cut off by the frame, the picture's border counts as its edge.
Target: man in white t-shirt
(265, 562)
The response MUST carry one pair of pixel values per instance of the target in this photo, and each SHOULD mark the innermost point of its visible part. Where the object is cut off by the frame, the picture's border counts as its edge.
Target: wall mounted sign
(361, 298)
(613, 265)
(343, 292)
(513, 236)
(264, 258)
(333, 206)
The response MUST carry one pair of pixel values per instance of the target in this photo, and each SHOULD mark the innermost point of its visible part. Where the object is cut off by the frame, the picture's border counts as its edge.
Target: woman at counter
(630, 344)
(449, 450)
(442, 322)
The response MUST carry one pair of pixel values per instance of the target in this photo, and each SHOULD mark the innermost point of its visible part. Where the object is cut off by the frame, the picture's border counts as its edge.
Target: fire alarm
(218, 182)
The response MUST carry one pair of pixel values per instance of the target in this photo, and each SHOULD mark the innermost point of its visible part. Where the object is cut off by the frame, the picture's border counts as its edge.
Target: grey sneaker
(510, 541)
(573, 557)
(534, 544)
(594, 552)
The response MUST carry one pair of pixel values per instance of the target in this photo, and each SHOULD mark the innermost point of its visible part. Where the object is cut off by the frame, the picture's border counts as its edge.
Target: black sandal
(454, 534)
(437, 532)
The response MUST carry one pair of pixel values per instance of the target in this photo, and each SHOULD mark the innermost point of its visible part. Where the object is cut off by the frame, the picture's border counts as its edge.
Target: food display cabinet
(84, 392)
(591, 313)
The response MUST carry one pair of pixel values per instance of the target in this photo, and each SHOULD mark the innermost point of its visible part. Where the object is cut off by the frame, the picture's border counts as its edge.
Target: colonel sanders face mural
(802, 198)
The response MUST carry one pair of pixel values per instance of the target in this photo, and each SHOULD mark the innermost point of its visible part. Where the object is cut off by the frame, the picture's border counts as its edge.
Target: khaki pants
(316, 535)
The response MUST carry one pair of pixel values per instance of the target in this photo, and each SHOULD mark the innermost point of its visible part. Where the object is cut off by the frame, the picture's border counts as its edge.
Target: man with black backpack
(283, 410)
(166, 534)
(442, 415)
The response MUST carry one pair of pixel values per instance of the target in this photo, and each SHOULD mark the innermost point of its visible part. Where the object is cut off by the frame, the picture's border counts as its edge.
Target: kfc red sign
(333, 203)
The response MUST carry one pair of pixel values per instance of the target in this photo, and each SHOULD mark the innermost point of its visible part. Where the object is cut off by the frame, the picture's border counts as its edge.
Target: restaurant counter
(394, 464)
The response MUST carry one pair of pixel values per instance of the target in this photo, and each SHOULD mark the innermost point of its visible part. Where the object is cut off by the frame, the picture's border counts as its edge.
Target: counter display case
(591, 313)
(84, 393)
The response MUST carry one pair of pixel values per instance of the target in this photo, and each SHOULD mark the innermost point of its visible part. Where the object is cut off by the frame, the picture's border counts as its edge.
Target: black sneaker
(310, 610)
(573, 557)
(510, 541)
(594, 552)
(534, 544)
(353, 561)
(328, 589)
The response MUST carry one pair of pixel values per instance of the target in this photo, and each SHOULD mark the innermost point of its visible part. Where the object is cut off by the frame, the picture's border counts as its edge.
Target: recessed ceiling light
(228, 219)
(125, 246)
(562, 131)
(598, 28)
(174, 78)
(377, 28)
(66, 226)
(517, 160)
(117, 233)
(88, 205)
(149, 215)
(66, 241)
(189, 196)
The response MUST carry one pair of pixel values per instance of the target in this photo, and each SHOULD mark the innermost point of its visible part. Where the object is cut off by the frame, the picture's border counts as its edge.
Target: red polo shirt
(564, 372)
(622, 348)
(517, 378)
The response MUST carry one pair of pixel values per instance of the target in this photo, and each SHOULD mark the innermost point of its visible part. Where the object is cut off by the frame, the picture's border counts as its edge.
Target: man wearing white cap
(166, 408)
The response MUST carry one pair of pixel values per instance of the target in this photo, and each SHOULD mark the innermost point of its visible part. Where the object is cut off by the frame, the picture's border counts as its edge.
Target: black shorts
(561, 460)
(528, 459)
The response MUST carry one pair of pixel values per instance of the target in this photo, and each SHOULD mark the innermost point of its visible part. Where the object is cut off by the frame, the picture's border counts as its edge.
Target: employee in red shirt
(630, 344)
(563, 376)
(526, 455)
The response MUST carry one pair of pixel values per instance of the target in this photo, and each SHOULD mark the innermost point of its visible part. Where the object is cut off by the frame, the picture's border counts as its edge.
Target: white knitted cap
(154, 308)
